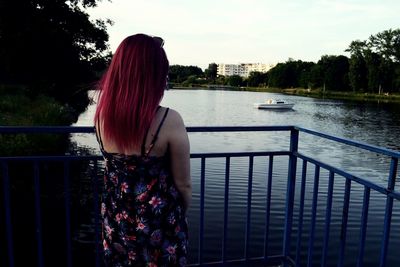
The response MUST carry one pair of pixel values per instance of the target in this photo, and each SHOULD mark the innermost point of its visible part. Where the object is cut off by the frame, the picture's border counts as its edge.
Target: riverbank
(315, 93)
(228, 88)
(18, 108)
(318, 93)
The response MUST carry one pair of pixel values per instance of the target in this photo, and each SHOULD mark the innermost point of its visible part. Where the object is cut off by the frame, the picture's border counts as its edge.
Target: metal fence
(293, 252)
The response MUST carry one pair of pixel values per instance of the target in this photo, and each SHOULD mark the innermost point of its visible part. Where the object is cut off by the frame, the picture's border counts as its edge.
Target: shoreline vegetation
(315, 93)
(19, 108)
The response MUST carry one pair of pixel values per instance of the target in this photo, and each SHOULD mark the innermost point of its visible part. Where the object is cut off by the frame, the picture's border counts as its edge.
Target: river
(370, 122)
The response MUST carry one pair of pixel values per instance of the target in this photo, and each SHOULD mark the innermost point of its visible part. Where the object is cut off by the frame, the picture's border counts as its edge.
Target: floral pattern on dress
(143, 219)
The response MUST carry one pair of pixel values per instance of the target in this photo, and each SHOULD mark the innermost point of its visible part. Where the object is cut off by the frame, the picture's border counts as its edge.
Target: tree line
(52, 48)
(373, 67)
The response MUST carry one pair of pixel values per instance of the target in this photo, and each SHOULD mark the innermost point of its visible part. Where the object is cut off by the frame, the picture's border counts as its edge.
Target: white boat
(274, 104)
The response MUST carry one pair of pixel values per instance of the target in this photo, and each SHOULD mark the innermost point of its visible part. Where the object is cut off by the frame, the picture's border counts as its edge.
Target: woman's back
(147, 186)
(143, 211)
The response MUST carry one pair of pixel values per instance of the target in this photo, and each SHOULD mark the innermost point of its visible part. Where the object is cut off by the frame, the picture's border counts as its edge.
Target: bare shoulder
(174, 120)
(175, 128)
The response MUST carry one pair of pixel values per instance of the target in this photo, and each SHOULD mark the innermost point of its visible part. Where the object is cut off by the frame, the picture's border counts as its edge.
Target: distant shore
(315, 93)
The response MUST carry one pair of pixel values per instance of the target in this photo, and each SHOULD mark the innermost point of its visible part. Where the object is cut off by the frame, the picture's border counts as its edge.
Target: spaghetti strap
(143, 147)
(98, 134)
(155, 136)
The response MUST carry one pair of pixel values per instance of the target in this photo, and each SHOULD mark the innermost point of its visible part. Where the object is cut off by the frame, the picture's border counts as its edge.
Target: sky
(199, 32)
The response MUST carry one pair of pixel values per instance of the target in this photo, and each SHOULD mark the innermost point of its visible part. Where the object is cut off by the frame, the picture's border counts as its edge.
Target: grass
(19, 109)
(357, 96)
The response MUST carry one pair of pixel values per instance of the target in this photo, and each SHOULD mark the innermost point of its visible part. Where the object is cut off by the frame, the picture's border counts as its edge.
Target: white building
(242, 69)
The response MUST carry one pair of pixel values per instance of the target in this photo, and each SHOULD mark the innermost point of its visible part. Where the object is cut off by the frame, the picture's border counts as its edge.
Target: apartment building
(242, 69)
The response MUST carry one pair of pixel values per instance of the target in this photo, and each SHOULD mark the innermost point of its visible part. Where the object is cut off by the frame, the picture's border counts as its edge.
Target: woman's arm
(180, 157)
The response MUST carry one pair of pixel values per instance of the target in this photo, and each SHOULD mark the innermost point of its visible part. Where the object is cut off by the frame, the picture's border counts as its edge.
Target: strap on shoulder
(98, 133)
(156, 135)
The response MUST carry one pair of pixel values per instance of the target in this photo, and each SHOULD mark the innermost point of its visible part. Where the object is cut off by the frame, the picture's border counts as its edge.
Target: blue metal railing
(291, 254)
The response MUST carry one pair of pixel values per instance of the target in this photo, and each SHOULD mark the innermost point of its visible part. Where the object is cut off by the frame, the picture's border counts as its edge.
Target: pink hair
(131, 90)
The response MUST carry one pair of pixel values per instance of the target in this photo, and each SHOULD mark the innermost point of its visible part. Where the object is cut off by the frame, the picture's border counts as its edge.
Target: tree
(396, 78)
(211, 72)
(52, 47)
(334, 70)
(290, 74)
(357, 73)
(255, 79)
(279, 76)
(386, 44)
(180, 73)
(234, 80)
(381, 56)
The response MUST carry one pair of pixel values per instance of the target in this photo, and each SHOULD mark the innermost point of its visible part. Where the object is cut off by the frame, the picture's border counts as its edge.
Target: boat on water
(274, 104)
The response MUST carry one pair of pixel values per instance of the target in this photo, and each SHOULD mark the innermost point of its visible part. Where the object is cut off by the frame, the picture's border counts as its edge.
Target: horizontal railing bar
(45, 129)
(361, 145)
(380, 189)
(270, 260)
(51, 158)
(239, 154)
(194, 129)
(90, 129)
(99, 157)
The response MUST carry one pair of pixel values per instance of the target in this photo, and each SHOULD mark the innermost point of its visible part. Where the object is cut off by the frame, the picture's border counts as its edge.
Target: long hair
(131, 89)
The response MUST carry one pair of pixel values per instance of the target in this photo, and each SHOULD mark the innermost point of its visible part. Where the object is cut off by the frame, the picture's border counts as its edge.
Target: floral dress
(143, 217)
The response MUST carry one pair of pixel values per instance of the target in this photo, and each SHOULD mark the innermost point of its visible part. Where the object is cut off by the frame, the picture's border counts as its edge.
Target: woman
(147, 186)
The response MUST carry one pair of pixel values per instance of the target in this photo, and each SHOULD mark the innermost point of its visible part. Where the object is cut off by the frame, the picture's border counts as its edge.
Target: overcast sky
(198, 32)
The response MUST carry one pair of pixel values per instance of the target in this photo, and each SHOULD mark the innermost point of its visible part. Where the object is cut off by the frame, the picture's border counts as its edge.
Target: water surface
(373, 123)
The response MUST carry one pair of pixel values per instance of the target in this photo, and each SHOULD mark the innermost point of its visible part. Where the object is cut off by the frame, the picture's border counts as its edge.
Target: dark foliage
(51, 47)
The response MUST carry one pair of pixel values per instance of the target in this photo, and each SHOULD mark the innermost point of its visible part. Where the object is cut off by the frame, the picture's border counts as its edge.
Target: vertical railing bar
(327, 219)
(301, 211)
(226, 201)
(343, 232)
(38, 214)
(96, 213)
(388, 211)
(248, 217)
(313, 216)
(363, 230)
(291, 183)
(7, 210)
(67, 213)
(202, 191)
(268, 205)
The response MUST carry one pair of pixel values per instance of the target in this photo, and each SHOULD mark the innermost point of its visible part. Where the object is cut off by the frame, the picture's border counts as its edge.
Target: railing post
(7, 210)
(96, 212)
(38, 220)
(388, 212)
(202, 192)
(226, 205)
(67, 213)
(294, 142)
